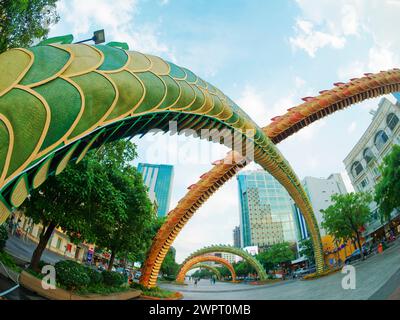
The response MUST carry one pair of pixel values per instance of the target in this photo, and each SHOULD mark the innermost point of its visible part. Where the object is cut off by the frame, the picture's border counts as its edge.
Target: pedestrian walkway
(378, 277)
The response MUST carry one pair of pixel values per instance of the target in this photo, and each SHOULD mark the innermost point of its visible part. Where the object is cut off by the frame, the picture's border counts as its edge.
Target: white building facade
(320, 191)
(362, 163)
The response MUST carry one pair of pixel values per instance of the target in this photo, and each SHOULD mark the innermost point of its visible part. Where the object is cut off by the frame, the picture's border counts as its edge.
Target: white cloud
(352, 70)
(329, 23)
(311, 40)
(253, 101)
(117, 17)
(382, 58)
(262, 105)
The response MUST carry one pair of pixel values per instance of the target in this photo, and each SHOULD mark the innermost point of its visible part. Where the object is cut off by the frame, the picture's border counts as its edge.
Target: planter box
(34, 284)
(9, 273)
(178, 296)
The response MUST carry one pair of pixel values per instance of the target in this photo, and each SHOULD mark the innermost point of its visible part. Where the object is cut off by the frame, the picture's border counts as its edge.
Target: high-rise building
(301, 225)
(320, 191)
(397, 96)
(158, 178)
(266, 211)
(236, 237)
(230, 257)
(363, 161)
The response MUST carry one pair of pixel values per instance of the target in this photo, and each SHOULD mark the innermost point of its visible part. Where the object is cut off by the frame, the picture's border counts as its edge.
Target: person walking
(10, 225)
(15, 225)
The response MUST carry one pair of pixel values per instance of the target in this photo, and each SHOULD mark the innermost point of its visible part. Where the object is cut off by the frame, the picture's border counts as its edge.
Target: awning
(301, 259)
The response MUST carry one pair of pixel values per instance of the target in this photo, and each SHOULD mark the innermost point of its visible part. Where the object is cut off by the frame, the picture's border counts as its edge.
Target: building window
(392, 121)
(364, 183)
(376, 172)
(58, 246)
(356, 169)
(380, 140)
(368, 155)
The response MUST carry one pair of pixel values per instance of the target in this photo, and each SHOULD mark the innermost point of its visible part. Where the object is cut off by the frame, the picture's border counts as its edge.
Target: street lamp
(98, 37)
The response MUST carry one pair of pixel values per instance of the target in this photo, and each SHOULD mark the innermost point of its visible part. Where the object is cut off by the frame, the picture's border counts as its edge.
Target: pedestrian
(380, 248)
(195, 282)
(17, 229)
(29, 230)
(10, 224)
(14, 227)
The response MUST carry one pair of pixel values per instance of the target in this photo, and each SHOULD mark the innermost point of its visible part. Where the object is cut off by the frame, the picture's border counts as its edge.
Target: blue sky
(265, 55)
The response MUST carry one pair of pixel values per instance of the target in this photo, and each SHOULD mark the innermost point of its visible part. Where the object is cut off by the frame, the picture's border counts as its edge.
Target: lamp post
(98, 37)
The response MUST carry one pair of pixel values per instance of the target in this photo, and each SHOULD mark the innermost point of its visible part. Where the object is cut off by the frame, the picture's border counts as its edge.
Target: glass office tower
(158, 178)
(267, 214)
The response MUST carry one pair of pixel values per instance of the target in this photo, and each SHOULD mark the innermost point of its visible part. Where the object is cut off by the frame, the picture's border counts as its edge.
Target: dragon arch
(314, 108)
(57, 101)
(233, 250)
(208, 267)
(188, 264)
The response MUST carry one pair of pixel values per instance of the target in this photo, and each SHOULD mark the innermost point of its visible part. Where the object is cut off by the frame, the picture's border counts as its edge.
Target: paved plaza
(376, 278)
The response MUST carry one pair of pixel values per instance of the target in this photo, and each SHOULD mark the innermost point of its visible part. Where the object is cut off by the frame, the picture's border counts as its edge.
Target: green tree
(66, 201)
(346, 217)
(23, 21)
(202, 273)
(276, 255)
(122, 224)
(101, 200)
(169, 266)
(263, 257)
(150, 231)
(224, 271)
(387, 191)
(307, 250)
(243, 268)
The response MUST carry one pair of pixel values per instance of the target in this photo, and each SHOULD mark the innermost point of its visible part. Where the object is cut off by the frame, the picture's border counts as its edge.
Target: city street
(23, 249)
(376, 278)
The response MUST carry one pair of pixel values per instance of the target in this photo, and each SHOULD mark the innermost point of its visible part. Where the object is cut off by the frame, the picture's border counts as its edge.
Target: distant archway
(235, 251)
(188, 264)
(208, 267)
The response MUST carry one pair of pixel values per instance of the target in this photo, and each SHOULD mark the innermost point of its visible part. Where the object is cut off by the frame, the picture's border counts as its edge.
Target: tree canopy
(203, 273)
(243, 268)
(307, 250)
(387, 191)
(275, 255)
(101, 200)
(122, 223)
(169, 266)
(347, 216)
(66, 201)
(23, 21)
(224, 271)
